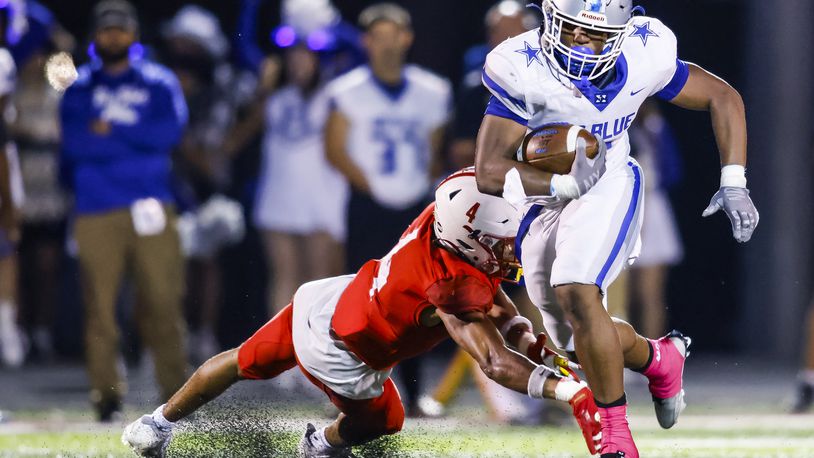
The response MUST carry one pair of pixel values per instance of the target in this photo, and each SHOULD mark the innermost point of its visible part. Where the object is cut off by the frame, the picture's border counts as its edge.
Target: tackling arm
(479, 337)
(515, 328)
(498, 139)
(518, 333)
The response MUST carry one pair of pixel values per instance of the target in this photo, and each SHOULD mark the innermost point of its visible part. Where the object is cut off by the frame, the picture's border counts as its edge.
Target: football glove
(584, 172)
(540, 354)
(739, 208)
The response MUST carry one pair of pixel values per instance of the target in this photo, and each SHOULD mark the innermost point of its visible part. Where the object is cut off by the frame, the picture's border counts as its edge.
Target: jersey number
(384, 263)
(392, 133)
(472, 212)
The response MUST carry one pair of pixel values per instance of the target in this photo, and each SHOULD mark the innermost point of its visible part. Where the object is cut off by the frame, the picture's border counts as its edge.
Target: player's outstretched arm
(150, 434)
(479, 337)
(705, 91)
(497, 143)
(518, 333)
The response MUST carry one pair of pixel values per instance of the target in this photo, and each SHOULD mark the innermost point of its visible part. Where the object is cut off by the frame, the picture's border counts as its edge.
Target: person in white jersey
(301, 199)
(384, 134)
(592, 63)
(12, 347)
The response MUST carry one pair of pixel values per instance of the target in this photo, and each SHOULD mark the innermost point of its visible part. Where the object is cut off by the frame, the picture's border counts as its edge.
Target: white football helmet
(478, 227)
(611, 17)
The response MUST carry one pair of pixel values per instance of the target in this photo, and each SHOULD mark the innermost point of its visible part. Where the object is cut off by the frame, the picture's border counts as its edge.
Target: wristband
(733, 176)
(509, 325)
(537, 381)
(564, 187)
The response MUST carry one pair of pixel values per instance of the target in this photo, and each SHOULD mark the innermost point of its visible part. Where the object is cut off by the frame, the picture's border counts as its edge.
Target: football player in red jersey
(441, 280)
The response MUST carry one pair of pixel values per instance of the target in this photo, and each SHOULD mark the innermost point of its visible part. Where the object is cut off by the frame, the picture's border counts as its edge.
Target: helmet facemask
(502, 261)
(579, 62)
(492, 255)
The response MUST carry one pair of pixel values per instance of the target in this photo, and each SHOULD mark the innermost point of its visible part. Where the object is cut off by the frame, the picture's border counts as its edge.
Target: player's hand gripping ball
(553, 147)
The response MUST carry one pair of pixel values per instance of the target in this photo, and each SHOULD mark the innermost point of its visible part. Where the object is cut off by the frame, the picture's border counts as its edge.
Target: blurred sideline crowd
(178, 193)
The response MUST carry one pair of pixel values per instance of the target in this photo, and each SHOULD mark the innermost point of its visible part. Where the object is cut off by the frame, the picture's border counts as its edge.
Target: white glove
(147, 438)
(584, 172)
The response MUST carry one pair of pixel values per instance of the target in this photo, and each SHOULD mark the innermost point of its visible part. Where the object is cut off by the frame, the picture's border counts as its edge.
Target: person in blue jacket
(120, 121)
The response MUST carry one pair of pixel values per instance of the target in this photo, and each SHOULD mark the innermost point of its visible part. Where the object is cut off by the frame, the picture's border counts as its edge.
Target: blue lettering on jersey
(293, 123)
(122, 105)
(392, 133)
(609, 129)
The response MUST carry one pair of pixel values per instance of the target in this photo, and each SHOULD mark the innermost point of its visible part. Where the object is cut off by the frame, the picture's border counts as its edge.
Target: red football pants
(270, 352)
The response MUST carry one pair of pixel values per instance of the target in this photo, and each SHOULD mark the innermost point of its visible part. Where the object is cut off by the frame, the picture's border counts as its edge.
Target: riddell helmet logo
(593, 16)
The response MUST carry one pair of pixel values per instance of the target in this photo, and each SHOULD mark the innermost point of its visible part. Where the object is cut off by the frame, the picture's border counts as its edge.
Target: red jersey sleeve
(461, 294)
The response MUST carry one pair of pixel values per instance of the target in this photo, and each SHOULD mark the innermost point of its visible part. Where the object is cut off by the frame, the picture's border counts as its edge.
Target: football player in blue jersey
(593, 63)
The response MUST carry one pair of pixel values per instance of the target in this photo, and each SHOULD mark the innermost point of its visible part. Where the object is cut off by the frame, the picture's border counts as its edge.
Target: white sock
(321, 440)
(160, 420)
(807, 376)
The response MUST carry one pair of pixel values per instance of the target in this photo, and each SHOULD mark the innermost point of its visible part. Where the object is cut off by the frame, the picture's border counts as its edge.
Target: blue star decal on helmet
(595, 6)
(643, 31)
(532, 54)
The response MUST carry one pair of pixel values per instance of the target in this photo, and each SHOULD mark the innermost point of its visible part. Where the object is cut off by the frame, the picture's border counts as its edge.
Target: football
(552, 147)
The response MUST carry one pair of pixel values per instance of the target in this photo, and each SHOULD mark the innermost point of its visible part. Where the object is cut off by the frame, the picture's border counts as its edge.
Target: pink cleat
(666, 376)
(617, 442)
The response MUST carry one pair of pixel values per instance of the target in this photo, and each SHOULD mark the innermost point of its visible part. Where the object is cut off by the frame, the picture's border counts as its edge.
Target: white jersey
(390, 130)
(559, 240)
(299, 191)
(323, 356)
(521, 78)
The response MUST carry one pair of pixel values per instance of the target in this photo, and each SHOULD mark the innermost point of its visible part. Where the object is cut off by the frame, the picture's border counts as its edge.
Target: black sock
(617, 403)
(649, 357)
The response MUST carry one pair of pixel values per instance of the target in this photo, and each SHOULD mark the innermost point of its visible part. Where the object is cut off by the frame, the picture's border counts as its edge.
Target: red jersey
(385, 314)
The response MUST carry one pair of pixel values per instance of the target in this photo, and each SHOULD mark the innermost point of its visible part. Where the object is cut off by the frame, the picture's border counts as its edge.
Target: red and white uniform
(346, 333)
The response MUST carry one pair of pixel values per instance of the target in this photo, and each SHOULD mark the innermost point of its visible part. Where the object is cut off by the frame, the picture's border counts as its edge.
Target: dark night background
(706, 292)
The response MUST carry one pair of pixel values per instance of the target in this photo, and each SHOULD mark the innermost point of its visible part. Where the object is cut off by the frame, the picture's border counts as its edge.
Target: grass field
(220, 434)
(735, 411)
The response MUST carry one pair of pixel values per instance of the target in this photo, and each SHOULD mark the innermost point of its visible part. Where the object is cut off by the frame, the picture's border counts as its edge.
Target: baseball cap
(115, 13)
(389, 12)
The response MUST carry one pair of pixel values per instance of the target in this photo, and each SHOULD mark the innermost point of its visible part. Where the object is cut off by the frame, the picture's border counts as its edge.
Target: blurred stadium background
(745, 306)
